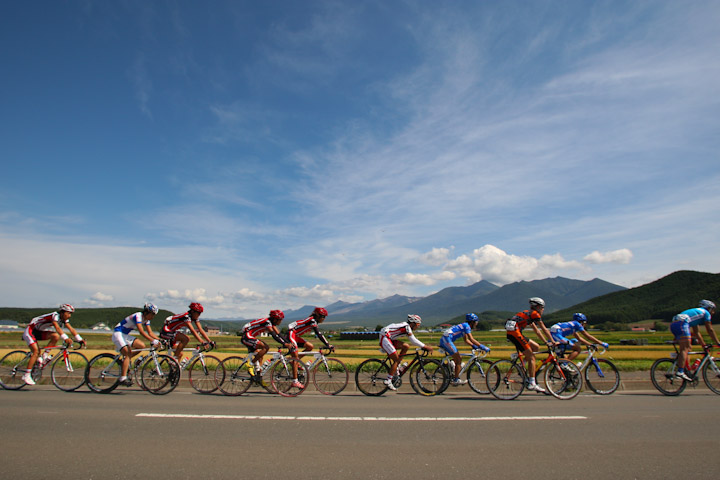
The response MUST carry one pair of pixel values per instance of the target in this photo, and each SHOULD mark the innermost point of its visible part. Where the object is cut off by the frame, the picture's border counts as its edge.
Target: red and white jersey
(395, 330)
(301, 327)
(176, 322)
(256, 327)
(44, 322)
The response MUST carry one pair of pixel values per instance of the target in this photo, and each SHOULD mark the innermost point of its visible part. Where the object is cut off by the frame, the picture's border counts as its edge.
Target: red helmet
(276, 315)
(197, 307)
(319, 311)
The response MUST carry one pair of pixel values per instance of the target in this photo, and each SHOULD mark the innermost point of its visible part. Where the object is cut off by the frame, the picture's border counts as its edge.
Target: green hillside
(659, 300)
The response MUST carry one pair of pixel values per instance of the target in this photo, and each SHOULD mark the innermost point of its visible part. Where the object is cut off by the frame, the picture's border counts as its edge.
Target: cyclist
(44, 327)
(252, 330)
(525, 346)
(576, 327)
(447, 343)
(389, 343)
(297, 329)
(687, 321)
(127, 344)
(173, 323)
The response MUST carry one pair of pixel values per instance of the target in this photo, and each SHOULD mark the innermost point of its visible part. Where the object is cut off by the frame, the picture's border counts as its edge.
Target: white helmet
(707, 305)
(66, 307)
(150, 308)
(536, 302)
(414, 319)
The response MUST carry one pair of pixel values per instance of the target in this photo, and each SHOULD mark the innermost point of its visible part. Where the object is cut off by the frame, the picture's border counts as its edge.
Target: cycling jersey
(560, 331)
(389, 336)
(256, 327)
(300, 327)
(130, 323)
(453, 333)
(693, 317)
(44, 322)
(176, 322)
(517, 323)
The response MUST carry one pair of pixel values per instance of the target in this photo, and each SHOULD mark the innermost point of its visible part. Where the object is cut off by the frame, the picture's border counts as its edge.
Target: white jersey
(395, 330)
(130, 323)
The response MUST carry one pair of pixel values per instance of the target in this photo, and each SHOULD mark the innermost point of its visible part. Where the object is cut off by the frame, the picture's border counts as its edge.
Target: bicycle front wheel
(477, 375)
(370, 376)
(330, 377)
(68, 374)
(284, 380)
(427, 377)
(160, 374)
(12, 368)
(563, 379)
(602, 377)
(662, 374)
(233, 377)
(102, 374)
(505, 380)
(711, 375)
(202, 373)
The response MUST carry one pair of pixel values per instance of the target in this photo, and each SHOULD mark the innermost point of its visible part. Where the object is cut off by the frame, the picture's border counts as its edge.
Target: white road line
(357, 419)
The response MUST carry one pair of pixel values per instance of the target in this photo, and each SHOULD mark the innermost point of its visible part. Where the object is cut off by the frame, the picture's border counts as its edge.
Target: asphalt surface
(131, 434)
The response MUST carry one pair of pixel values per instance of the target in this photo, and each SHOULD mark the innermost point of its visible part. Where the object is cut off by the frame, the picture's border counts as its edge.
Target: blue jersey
(457, 331)
(130, 323)
(697, 316)
(567, 328)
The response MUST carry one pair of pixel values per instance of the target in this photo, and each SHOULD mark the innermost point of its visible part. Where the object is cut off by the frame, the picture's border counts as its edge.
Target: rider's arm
(542, 331)
(276, 335)
(590, 337)
(60, 332)
(711, 333)
(413, 339)
(195, 333)
(148, 335)
(319, 335)
(76, 335)
(470, 340)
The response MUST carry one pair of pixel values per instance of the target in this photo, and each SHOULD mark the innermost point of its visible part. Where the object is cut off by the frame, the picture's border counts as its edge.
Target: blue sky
(257, 155)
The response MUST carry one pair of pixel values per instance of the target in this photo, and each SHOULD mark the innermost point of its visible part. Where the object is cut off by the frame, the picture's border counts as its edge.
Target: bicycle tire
(563, 379)
(160, 375)
(12, 368)
(711, 376)
(330, 377)
(477, 375)
(282, 377)
(662, 374)
(505, 380)
(427, 377)
(202, 374)
(69, 378)
(369, 377)
(102, 374)
(236, 378)
(448, 377)
(603, 378)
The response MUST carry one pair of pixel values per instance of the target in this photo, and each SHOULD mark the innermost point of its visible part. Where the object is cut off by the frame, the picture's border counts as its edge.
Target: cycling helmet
(276, 315)
(579, 317)
(471, 317)
(150, 308)
(319, 311)
(414, 319)
(707, 305)
(66, 307)
(197, 307)
(536, 302)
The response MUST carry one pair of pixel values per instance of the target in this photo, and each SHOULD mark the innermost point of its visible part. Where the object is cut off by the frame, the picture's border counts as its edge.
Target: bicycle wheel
(602, 377)
(505, 380)
(330, 376)
(711, 375)
(12, 368)
(477, 375)
(102, 374)
(284, 381)
(69, 375)
(427, 377)
(160, 374)
(202, 373)
(662, 374)
(563, 379)
(236, 378)
(370, 375)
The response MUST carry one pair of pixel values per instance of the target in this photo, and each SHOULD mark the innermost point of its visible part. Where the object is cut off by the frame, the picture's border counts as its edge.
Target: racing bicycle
(238, 374)
(663, 373)
(329, 375)
(67, 368)
(202, 368)
(601, 375)
(475, 370)
(427, 376)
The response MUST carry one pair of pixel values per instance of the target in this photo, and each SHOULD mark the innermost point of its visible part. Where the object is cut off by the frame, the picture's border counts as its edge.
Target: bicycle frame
(475, 354)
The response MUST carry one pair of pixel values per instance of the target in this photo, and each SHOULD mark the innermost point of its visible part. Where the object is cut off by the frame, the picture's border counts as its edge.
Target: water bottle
(265, 364)
(403, 366)
(695, 365)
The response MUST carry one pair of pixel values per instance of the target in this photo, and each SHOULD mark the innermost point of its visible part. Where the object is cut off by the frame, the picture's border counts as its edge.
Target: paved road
(129, 434)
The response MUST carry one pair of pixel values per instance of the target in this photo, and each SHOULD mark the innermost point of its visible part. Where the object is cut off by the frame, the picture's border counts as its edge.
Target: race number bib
(510, 325)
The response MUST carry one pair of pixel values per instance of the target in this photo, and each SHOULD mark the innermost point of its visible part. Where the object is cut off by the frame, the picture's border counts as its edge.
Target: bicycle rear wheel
(711, 375)
(370, 375)
(103, 373)
(662, 374)
(284, 380)
(160, 375)
(69, 375)
(330, 377)
(563, 379)
(505, 380)
(236, 378)
(12, 368)
(427, 377)
(202, 373)
(477, 375)
(602, 378)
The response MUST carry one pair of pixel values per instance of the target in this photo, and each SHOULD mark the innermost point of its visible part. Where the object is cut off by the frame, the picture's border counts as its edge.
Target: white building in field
(9, 325)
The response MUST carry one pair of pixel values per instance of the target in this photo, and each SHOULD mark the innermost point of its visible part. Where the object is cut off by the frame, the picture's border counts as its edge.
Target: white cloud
(99, 299)
(435, 257)
(622, 256)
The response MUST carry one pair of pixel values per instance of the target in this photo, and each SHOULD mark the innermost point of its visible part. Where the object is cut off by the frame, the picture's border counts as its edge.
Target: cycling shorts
(168, 337)
(681, 329)
(520, 341)
(295, 339)
(251, 343)
(122, 340)
(447, 344)
(388, 345)
(32, 335)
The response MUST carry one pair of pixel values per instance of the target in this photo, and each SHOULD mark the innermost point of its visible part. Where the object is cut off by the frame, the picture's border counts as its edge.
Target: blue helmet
(471, 317)
(579, 317)
(150, 308)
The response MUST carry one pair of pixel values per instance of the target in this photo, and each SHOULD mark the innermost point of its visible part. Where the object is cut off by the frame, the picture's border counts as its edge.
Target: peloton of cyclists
(524, 345)
(390, 344)
(171, 334)
(44, 327)
(686, 325)
(576, 327)
(128, 345)
(447, 343)
(300, 327)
